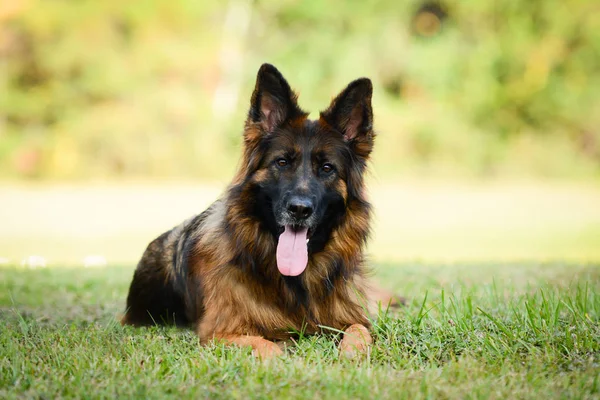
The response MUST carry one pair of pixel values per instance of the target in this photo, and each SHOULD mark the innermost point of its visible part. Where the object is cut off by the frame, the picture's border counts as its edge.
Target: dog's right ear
(273, 101)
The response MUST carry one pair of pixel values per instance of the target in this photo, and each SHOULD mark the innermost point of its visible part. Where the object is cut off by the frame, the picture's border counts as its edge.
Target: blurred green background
(96, 89)
(118, 119)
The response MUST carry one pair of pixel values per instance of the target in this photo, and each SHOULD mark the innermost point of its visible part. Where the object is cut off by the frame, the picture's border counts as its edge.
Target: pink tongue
(292, 252)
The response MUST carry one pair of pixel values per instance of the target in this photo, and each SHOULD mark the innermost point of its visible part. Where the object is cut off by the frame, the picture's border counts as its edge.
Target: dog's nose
(300, 207)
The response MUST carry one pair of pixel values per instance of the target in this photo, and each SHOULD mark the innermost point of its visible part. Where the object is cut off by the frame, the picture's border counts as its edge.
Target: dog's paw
(356, 341)
(383, 299)
(266, 350)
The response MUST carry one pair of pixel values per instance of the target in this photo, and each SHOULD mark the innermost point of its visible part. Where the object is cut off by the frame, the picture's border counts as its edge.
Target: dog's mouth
(292, 250)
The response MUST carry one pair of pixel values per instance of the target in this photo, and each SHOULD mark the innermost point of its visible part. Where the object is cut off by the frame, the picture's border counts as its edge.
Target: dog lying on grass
(282, 250)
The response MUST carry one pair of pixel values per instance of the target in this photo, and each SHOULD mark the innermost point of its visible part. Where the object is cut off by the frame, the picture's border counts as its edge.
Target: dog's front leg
(356, 341)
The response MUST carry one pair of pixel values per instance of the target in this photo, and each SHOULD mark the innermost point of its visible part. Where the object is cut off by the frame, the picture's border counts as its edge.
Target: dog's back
(163, 291)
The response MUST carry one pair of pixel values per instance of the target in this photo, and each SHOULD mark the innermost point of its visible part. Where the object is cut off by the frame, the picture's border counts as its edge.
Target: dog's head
(304, 173)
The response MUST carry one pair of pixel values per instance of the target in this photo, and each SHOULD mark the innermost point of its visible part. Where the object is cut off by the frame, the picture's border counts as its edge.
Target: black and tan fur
(217, 271)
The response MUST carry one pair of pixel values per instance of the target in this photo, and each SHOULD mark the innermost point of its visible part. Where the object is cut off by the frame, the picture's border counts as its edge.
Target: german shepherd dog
(282, 250)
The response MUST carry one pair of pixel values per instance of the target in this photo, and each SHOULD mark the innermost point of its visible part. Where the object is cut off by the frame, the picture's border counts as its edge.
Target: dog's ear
(351, 113)
(273, 101)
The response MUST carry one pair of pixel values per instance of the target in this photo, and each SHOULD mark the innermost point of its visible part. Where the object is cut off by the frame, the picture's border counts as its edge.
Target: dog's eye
(282, 162)
(327, 168)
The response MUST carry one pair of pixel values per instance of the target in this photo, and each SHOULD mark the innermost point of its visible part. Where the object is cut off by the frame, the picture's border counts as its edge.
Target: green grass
(469, 331)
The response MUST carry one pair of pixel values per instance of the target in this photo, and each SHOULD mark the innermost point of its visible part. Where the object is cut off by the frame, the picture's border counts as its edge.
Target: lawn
(469, 331)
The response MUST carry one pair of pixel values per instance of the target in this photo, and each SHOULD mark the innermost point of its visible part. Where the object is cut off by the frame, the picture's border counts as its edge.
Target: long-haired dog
(282, 251)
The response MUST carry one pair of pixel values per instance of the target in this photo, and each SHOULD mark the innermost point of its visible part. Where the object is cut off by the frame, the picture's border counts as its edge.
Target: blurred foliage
(108, 88)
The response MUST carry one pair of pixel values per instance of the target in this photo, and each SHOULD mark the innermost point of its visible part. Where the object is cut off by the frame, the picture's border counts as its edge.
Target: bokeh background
(120, 119)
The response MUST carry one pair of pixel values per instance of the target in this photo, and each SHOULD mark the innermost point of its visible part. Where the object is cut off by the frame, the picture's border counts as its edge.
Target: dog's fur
(218, 270)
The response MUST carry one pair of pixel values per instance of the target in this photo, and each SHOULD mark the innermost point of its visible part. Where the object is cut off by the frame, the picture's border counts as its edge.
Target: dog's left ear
(351, 113)
(273, 102)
